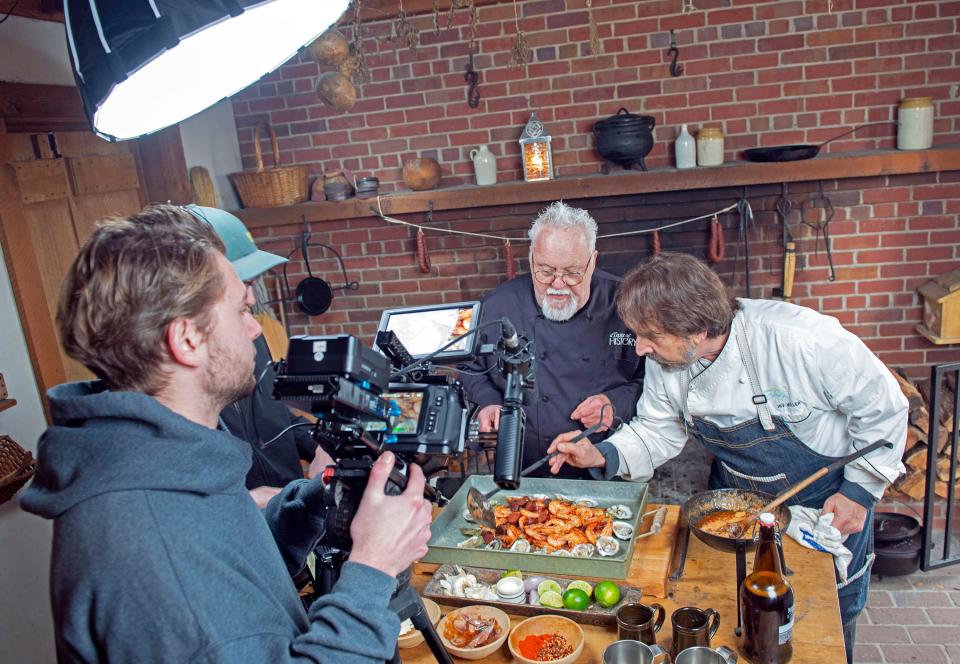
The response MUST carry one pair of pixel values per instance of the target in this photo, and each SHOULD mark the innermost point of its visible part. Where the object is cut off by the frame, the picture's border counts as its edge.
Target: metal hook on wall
(674, 52)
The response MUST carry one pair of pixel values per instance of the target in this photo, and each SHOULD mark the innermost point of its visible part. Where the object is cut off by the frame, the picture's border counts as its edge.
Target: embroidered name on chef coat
(621, 339)
(788, 406)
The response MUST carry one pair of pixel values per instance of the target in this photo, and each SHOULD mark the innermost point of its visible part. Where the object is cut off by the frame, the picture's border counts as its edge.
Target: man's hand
(262, 494)
(489, 418)
(588, 412)
(579, 455)
(320, 461)
(391, 532)
(848, 516)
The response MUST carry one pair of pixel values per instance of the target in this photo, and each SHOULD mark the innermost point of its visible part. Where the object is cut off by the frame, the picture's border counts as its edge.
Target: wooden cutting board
(651, 556)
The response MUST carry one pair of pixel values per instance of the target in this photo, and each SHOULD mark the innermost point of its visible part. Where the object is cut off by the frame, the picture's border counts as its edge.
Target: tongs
(478, 503)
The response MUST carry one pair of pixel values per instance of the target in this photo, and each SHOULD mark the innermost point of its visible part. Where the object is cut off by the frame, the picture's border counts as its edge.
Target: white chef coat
(826, 385)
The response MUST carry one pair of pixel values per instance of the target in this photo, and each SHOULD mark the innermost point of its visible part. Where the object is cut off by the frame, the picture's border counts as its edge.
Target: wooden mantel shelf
(741, 173)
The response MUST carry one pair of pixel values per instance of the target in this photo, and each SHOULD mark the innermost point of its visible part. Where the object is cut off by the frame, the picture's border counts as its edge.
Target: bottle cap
(767, 519)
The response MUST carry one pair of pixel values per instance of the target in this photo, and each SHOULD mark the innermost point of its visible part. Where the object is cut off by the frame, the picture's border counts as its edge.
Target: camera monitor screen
(424, 330)
(410, 404)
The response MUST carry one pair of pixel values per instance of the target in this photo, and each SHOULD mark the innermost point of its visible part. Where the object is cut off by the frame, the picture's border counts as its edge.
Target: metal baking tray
(446, 528)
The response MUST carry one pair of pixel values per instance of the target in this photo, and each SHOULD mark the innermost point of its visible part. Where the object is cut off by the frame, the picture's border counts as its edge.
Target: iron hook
(674, 52)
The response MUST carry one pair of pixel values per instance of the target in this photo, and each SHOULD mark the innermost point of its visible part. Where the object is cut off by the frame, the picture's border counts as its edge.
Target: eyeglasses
(547, 275)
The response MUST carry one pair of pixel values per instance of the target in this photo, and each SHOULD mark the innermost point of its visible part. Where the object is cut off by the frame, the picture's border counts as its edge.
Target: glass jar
(709, 147)
(915, 123)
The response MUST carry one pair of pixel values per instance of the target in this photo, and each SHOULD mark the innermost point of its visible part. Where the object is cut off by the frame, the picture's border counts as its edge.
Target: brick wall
(779, 71)
(788, 72)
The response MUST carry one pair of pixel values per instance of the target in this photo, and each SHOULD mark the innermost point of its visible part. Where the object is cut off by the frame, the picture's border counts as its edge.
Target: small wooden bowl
(415, 637)
(482, 651)
(547, 624)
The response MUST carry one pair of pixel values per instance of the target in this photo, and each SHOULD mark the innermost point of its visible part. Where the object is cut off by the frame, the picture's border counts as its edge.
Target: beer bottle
(766, 601)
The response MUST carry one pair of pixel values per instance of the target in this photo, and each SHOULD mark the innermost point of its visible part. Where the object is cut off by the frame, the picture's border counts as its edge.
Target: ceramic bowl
(482, 651)
(414, 637)
(547, 624)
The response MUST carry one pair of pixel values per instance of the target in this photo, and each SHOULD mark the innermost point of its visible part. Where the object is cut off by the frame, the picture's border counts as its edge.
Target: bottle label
(786, 630)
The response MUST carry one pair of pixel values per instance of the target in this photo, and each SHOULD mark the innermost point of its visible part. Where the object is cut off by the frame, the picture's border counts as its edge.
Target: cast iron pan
(701, 504)
(798, 152)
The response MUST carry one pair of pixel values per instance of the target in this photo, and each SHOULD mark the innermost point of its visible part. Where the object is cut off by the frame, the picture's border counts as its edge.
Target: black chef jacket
(258, 418)
(592, 353)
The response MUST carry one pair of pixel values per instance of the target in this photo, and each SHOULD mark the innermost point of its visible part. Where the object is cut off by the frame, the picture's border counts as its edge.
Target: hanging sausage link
(511, 266)
(656, 243)
(423, 258)
(715, 250)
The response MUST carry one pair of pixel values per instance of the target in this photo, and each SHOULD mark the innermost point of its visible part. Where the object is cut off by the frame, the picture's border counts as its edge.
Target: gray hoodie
(160, 555)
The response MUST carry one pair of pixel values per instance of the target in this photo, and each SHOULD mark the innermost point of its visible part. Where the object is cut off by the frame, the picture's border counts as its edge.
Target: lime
(548, 585)
(606, 593)
(552, 599)
(512, 572)
(576, 599)
(582, 585)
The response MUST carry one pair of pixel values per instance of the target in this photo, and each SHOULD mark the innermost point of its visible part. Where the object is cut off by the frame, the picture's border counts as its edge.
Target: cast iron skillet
(798, 152)
(701, 504)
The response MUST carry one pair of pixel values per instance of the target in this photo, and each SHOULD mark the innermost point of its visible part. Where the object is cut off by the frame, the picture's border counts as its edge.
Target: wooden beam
(45, 10)
(27, 107)
(835, 166)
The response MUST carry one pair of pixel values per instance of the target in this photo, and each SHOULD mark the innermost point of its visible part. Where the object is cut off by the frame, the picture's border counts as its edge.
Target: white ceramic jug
(484, 165)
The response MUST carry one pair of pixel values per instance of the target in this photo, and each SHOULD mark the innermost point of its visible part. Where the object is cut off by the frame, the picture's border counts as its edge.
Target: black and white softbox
(142, 65)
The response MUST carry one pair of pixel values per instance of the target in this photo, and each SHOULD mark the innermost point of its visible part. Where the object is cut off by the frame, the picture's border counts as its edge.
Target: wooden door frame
(28, 108)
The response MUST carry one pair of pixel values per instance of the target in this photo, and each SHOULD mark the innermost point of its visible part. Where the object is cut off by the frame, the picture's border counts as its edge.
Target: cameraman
(159, 553)
(257, 418)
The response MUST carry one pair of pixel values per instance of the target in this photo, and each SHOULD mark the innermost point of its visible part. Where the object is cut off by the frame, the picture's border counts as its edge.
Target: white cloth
(815, 531)
(833, 393)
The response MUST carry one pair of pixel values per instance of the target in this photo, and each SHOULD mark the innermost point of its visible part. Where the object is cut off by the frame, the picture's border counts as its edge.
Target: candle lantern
(535, 149)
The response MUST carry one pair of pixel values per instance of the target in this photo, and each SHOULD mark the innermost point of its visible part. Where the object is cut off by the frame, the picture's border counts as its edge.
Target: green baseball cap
(248, 261)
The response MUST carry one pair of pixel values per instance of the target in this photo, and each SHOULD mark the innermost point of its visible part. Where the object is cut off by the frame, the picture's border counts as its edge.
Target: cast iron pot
(701, 504)
(624, 138)
(896, 543)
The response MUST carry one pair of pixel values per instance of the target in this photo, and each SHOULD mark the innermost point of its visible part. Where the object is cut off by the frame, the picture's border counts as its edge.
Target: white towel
(815, 531)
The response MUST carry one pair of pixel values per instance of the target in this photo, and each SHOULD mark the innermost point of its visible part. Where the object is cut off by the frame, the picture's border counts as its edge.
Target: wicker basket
(271, 187)
(16, 467)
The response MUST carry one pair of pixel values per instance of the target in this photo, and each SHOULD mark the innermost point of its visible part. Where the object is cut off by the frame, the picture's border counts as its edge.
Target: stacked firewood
(920, 437)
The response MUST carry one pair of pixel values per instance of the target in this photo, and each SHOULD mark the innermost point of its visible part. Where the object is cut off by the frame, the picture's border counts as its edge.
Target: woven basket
(16, 467)
(271, 187)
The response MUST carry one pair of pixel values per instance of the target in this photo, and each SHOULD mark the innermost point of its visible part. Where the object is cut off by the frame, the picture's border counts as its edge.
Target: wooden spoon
(747, 522)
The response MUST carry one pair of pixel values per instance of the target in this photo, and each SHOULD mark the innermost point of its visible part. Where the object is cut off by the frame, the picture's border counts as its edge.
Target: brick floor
(914, 618)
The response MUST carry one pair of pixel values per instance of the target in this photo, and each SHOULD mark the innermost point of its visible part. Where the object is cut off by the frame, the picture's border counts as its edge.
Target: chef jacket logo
(621, 339)
(788, 406)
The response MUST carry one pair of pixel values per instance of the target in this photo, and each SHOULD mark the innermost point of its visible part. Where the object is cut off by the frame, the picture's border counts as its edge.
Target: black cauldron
(625, 139)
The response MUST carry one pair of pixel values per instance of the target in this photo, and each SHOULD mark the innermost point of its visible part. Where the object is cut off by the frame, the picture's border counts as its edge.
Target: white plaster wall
(210, 140)
(26, 624)
(34, 51)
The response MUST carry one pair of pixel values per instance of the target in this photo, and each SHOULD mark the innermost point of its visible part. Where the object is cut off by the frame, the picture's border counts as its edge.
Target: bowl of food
(546, 638)
(473, 632)
(410, 636)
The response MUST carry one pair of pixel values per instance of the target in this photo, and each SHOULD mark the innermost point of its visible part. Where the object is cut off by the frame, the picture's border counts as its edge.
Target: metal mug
(701, 655)
(633, 652)
(693, 627)
(640, 622)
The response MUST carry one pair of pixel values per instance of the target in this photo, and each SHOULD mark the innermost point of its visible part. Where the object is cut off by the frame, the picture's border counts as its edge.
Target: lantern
(535, 148)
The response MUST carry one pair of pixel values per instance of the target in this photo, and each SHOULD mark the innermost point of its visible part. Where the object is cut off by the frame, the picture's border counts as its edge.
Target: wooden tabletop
(709, 581)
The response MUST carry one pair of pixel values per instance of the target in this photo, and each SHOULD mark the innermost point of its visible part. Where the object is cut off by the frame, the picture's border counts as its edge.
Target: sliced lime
(512, 572)
(548, 585)
(552, 599)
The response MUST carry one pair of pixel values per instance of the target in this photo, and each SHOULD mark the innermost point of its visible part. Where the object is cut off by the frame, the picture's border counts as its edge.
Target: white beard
(562, 313)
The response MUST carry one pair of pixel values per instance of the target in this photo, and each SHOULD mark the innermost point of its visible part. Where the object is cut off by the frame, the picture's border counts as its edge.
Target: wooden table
(709, 580)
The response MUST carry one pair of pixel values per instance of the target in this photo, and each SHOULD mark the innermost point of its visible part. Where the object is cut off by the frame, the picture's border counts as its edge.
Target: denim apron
(762, 454)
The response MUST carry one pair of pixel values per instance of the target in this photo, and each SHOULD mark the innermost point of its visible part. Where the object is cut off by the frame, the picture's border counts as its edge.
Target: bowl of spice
(473, 632)
(546, 638)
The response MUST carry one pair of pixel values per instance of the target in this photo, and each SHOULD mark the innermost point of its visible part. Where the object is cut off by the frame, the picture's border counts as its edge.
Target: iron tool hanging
(472, 77)
(819, 221)
(674, 53)
(784, 207)
(313, 294)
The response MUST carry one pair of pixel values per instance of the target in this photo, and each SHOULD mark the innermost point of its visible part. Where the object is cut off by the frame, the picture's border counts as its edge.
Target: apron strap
(759, 398)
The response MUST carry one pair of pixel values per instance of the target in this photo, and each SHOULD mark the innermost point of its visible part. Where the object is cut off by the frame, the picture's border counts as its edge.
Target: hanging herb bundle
(436, 17)
(359, 70)
(596, 46)
(520, 53)
(454, 5)
(472, 39)
(404, 31)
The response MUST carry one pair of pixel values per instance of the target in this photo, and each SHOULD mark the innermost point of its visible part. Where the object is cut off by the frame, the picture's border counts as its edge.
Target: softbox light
(142, 65)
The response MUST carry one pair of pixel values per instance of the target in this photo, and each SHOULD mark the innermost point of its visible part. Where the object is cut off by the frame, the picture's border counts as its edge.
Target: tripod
(405, 602)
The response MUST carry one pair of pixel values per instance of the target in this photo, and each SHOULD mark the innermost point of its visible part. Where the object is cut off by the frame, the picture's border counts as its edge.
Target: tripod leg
(407, 604)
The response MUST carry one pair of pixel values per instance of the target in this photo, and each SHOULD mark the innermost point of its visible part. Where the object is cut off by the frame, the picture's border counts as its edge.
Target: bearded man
(584, 351)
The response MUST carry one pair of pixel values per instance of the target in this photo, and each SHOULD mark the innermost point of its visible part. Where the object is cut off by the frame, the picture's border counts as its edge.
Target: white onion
(531, 583)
